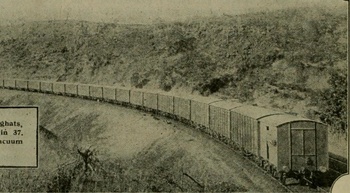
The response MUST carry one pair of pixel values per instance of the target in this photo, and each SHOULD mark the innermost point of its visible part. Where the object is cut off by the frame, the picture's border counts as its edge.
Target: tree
(333, 101)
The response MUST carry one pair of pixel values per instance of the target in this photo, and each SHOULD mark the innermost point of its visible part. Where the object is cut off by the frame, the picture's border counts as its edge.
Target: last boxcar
(291, 143)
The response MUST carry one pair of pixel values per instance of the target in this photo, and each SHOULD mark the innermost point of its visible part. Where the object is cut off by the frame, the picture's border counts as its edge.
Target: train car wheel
(266, 166)
(274, 173)
(283, 177)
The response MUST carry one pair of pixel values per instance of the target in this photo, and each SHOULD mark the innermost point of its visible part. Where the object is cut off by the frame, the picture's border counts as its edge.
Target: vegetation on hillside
(297, 56)
(333, 102)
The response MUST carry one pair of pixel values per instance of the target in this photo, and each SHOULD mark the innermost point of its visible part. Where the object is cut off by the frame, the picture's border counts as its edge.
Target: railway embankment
(133, 151)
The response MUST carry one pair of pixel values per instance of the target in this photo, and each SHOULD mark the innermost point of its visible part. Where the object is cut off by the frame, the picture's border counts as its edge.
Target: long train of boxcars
(283, 144)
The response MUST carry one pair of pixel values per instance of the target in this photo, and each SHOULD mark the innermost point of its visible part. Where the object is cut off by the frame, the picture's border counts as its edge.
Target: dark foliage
(332, 102)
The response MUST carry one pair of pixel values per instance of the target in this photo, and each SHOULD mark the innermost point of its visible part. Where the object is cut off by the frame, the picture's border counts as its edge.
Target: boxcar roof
(113, 87)
(206, 100)
(277, 120)
(136, 90)
(58, 82)
(255, 112)
(181, 94)
(72, 83)
(165, 93)
(94, 85)
(149, 91)
(188, 97)
(226, 104)
(19, 79)
(81, 84)
(122, 88)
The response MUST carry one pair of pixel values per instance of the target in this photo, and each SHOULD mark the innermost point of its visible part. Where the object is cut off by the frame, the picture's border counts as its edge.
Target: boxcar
(294, 142)
(245, 129)
(46, 87)
(166, 103)
(71, 89)
(96, 91)
(59, 88)
(219, 117)
(34, 85)
(150, 100)
(83, 90)
(22, 84)
(200, 110)
(136, 97)
(109, 93)
(9, 83)
(123, 95)
(182, 107)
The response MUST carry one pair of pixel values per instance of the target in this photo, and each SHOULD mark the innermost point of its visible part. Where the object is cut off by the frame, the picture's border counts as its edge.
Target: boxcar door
(303, 143)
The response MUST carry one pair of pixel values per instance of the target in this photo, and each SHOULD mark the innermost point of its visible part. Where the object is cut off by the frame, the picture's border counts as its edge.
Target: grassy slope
(277, 59)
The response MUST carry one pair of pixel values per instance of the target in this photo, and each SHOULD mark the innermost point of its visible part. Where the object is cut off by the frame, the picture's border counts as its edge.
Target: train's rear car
(300, 142)
(294, 144)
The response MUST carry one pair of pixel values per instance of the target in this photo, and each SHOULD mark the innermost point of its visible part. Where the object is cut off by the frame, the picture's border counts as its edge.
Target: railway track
(338, 164)
(292, 186)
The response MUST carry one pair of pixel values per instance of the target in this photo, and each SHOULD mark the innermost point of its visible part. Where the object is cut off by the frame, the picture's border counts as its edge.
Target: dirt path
(147, 153)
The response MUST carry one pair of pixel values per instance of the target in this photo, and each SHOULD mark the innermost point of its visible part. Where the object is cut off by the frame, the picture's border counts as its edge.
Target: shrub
(332, 102)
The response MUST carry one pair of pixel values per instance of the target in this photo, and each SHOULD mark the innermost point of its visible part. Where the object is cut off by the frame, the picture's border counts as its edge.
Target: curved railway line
(239, 126)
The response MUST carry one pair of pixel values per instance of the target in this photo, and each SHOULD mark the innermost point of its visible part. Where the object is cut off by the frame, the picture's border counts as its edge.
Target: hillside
(292, 59)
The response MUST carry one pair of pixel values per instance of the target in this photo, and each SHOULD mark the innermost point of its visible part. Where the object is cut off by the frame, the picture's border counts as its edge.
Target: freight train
(283, 144)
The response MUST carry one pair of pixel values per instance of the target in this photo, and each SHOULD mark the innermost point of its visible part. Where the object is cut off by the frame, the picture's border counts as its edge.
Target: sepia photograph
(174, 96)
